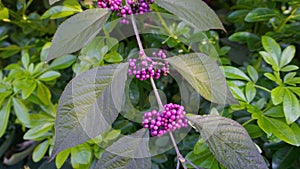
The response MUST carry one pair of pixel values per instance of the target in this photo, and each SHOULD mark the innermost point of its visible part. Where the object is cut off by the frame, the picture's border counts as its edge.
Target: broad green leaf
(235, 73)
(284, 157)
(21, 111)
(277, 95)
(194, 12)
(291, 107)
(268, 58)
(260, 14)
(81, 154)
(129, 152)
(273, 48)
(77, 31)
(204, 75)
(113, 57)
(276, 111)
(40, 151)
(50, 75)
(278, 127)
(250, 91)
(252, 73)
(62, 62)
(287, 56)
(89, 104)
(4, 111)
(43, 93)
(62, 157)
(237, 92)
(227, 139)
(40, 132)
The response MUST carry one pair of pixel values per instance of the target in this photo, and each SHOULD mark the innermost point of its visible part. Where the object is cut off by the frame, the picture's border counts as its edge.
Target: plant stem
(263, 88)
(247, 122)
(161, 107)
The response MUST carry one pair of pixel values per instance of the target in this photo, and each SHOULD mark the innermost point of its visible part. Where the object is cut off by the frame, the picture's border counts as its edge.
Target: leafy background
(259, 53)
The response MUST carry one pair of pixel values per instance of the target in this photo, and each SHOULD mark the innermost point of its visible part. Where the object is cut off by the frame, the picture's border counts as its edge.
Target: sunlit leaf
(4, 111)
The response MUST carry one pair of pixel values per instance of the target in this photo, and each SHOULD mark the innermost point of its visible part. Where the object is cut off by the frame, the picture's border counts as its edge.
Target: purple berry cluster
(145, 67)
(172, 118)
(132, 6)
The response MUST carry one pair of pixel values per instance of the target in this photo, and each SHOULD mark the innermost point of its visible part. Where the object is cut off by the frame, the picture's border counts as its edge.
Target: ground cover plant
(149, 84)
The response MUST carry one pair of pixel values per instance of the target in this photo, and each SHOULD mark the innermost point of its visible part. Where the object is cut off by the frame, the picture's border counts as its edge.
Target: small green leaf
(77, 31)
(289, 77)
(250, 91)
(242, 37)
(43, 93)
(40, 151)
(235, 73)
(28, 86)
(289, 68)
(252, 73)
(287, 55)
(227, 139)
(277, 95)
(296, 90)
(113, 57)
(254, 131)
(260, 14)
(4, 116)
(237, 92)
(268, 58)
(238, 15)
(276, 111)
(50, 75)
(39, 132)
(25, 59)
(62, 62)
(60, 12)
(193, 12)
(4, 13)
(62, 157)
(291, 107)
(273, 78)
(81, 154)
(21, 111)
(273, 48)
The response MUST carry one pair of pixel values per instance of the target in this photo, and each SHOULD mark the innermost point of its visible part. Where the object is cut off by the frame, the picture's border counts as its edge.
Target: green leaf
(237, 92)
(39, 132)
(45, 51)
(238, 15)
(273, 48)
(276, 111)
(289, 68)
(235, 73)
(268, 58)
(287, 55)
(252, 73)
(113, 57)
(296, 90)
(242, 37)
(25, 59)
(273, 78)
(250, 91)
(77, 31)
(291, 107)
(4, 111)
(43, 93)
(60, 12)
(95, 95)
(129, 152)
(204, 75)
(277, 127)
(62, 62)
(285, 157)
(4, 13)
(260, 14)
(289, 77)
(29, 86)
(277, 95)
(40, 151)
(253, 130)
(81, 154)
(62, 157)
(227, 139)
(195, 13)
(50, 75)
(21, 111)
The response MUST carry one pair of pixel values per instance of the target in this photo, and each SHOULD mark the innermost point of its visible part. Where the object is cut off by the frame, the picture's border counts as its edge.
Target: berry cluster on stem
(171, 119)
(145, 67)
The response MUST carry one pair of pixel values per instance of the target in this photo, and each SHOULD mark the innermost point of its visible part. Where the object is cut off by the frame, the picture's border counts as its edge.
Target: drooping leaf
(77, 31)
(227, 139)
(129, 152)
(4, 111)
(194, 12)
(291, 107)
(89, 105)
(204, 75)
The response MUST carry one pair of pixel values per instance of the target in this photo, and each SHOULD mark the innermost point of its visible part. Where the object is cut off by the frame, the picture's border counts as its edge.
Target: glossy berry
(146, 67)
(171, 119)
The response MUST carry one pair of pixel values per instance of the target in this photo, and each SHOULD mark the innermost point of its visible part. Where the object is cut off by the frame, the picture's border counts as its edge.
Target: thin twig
(159, 102)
